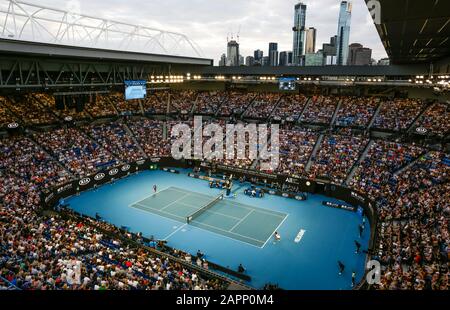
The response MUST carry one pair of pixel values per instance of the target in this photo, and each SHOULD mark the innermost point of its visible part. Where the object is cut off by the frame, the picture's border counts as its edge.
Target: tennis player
(155, 188)
(277, 236)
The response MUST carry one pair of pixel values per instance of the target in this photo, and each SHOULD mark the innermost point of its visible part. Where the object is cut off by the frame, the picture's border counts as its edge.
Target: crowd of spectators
(414, 227)
(436, 120)
(209, 102)
(375, 175)
(320, 110)
(336, 156)
(21, 157)
(290, 106)
(249, 154)
(6, 117)
(182, 101)
(236, 103)
(356, 112)
(49, 252)
(296, 146)
(149, 134)
(101, 106)
(68, 109)
(156, 103)
(76, 151)
(395, 114)
(408, 182)
(263, 106)
(30, 110)
(398, 114)
(125, 107)
(114, 138)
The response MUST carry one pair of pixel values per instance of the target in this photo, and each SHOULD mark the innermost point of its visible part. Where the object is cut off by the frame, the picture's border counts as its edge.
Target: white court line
(242, 206)
(200, 223)
(181, 190)
(174, 202)
(151, 211)
(276, 229)
(239, 205)
(173, 233)
(223, 236)
(154, 194)
(242, 219)
(210, 211)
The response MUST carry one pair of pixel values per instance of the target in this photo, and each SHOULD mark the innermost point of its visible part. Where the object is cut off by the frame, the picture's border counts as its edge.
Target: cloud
(209, 22)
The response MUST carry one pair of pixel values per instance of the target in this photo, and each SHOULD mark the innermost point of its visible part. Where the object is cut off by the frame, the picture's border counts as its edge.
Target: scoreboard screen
(287, 84)
(136, 89)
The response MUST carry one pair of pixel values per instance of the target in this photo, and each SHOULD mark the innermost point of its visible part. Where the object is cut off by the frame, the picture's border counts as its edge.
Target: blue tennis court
(225, 217)
(237, 230)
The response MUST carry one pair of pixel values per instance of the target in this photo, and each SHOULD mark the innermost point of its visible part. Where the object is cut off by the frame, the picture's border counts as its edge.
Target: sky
(209, 22)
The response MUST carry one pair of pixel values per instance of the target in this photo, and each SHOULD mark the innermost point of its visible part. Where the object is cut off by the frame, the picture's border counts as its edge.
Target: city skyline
(304, 32)
(304, 43)
(208, 23)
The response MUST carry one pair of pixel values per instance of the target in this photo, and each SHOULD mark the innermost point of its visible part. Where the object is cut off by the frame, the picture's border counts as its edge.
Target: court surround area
(236, 230)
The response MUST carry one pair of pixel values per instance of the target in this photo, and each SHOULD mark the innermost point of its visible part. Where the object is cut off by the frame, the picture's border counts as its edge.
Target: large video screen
(287, 84)
(136, 89)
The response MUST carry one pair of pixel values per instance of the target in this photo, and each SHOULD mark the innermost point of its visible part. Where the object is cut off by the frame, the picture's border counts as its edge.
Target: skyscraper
(314, 59)
(329, 51)
(343, 34)
(310, 46)
(359, 55)
(285, 59)
(273, 54)
(223, 60)
(290, 57)
(258, 55)
(233, 54)
(299, 32)
(241, 60)
(249, 61)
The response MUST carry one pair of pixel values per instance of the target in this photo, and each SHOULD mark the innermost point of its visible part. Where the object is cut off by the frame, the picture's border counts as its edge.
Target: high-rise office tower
(273, 54)
(290, 57)
(258, 55)
(310, 46)
(314, 59)
(283, 59)
(299, 33)
(329, 51)
(249, 61)
(343, 34)
(359, 55)
(223, 60)
(241, 60)
(233, 54)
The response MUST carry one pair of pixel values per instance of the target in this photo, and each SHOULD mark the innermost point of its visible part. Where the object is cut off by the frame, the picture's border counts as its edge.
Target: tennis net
(200, 211)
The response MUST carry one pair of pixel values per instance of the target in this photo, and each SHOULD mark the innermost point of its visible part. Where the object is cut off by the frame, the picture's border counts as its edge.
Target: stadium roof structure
(56, 51)
(28, 65)
(413, 31)
(25, 21)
